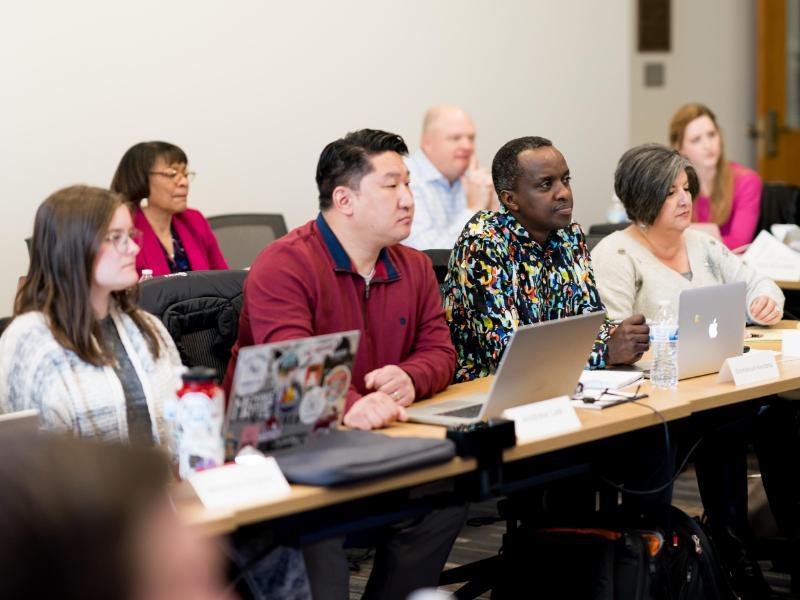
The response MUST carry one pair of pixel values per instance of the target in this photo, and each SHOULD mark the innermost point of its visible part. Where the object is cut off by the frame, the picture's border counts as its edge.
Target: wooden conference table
(788, 285)
(692, 395)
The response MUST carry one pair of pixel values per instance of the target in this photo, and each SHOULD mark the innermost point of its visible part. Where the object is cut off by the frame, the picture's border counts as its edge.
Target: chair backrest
(200, 310)
(4, 323)
(440, 258)
(779, 204)
(606, 228)
(592, 239)
(242, 236)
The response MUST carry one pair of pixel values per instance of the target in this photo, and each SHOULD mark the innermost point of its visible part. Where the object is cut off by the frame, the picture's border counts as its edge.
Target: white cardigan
(75, 396)
(632, 280)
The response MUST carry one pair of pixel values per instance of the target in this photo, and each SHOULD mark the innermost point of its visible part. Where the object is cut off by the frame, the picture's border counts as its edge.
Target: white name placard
(544, 418)
(749, 368)
(236, 485)
(790, 342)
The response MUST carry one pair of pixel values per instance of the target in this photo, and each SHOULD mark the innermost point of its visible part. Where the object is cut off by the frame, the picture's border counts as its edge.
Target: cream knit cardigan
(632, 280)
(72, 395)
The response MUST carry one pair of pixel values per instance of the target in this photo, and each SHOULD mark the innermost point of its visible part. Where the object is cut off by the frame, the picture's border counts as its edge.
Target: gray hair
(644, 176)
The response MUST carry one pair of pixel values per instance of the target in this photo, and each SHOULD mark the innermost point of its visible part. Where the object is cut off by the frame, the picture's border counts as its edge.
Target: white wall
(253, 90)
(712, 61)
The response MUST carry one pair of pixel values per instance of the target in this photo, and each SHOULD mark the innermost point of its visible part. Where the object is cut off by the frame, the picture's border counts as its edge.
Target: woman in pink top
(730, 194)
(152, 176)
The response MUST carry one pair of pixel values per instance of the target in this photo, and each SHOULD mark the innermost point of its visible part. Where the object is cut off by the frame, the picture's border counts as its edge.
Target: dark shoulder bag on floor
(663, 555)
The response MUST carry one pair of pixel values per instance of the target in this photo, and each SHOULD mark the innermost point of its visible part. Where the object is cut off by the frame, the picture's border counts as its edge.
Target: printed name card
(749, 368)
(790, 343)
(544, 418)
(236, 485)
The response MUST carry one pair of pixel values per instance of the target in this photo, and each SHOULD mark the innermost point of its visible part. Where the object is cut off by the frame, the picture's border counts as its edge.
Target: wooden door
(778, 90)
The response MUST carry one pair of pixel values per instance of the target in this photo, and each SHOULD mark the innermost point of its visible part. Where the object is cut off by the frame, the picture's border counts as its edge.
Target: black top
(178, 262)
(139, 425)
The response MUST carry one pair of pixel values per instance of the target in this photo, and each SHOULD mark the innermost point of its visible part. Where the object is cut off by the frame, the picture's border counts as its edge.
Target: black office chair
(4, 323)
(200, 310)
(242, 236)
(592, 239)
(779, 204)
(606, 228)
(439, 258)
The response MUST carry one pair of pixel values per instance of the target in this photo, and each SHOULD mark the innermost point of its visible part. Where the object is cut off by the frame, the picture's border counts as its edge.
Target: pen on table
(618, 322)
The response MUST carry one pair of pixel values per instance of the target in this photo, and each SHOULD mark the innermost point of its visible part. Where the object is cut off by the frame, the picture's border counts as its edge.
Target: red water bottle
(198, 420)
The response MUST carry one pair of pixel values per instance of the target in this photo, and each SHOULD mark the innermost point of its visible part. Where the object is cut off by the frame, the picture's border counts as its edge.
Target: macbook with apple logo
(711, 322)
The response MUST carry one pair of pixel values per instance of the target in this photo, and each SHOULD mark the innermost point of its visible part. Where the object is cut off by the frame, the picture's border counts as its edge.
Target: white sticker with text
(749, 368)
(543, 418)
(236, 485)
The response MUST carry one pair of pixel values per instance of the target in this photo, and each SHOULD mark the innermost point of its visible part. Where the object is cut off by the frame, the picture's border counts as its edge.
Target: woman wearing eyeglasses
(78, 349)
(153, 177)
(81, 353)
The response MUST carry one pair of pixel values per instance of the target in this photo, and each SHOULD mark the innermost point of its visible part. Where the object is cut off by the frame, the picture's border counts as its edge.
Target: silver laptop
(711, 323)
(23, 421)
(541, 361)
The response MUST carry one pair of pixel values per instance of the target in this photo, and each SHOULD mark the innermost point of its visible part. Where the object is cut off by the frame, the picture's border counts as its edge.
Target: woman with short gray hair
(659, 256)
(656, 258)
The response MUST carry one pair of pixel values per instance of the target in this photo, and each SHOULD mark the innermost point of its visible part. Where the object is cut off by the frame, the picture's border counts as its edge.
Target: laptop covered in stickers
(284, 393)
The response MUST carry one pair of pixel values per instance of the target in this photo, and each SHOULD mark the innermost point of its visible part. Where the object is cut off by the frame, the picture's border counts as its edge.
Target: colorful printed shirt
(500, 278)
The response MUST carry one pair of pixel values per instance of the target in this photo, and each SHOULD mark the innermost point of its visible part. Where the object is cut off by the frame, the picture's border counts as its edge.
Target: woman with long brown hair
(92, 363)
(730, 194)
(78, 349)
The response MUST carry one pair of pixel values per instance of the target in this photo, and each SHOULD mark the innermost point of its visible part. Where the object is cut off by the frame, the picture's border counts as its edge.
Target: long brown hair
(722, 186)
(68, 229)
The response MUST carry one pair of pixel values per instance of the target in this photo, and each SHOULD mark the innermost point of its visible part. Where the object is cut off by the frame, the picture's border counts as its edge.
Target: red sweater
(304, 284)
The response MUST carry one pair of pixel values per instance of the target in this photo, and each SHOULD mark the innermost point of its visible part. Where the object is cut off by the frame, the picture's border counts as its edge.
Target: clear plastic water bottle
(664, 346)
(616, 211)
(147, 274)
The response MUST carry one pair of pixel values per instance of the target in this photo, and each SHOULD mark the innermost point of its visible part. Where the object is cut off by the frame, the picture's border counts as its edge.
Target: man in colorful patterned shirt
(526, 263)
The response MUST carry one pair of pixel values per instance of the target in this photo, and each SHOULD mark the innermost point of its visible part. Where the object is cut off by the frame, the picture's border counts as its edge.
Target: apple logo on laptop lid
(712, 329)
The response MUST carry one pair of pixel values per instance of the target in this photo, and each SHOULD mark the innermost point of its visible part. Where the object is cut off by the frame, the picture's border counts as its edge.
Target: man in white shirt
(447, 184)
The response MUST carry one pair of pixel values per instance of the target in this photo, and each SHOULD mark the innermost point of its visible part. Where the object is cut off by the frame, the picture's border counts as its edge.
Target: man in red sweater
(346, 270)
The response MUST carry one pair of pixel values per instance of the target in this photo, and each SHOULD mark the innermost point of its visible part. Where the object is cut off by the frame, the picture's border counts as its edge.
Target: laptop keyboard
(468, 412)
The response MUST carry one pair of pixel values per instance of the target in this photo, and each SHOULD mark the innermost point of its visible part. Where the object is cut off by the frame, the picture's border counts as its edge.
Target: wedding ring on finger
(395, 395)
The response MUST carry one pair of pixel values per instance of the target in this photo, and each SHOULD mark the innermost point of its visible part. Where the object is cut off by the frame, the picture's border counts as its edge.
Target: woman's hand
(765, 310)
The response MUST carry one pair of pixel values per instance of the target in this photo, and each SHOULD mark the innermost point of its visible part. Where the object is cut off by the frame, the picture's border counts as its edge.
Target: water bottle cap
(199, 374)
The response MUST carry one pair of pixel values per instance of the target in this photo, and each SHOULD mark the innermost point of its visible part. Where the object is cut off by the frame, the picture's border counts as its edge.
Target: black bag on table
(348, 456)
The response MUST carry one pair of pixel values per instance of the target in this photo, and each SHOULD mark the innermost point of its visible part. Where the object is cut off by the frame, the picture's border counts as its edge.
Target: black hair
(132, 178)
(505, 166)
(345, 161)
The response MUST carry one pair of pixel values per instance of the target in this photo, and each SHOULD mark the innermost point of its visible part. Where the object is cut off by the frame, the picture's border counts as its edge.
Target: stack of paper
(772, 258)
(609, 379)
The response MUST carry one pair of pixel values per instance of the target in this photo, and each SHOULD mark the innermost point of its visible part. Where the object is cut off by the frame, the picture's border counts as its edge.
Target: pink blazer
(195, 233)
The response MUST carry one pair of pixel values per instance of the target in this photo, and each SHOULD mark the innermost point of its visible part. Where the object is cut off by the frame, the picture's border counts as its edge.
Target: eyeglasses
(121, 239)
(176, 175)
(607, 397)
